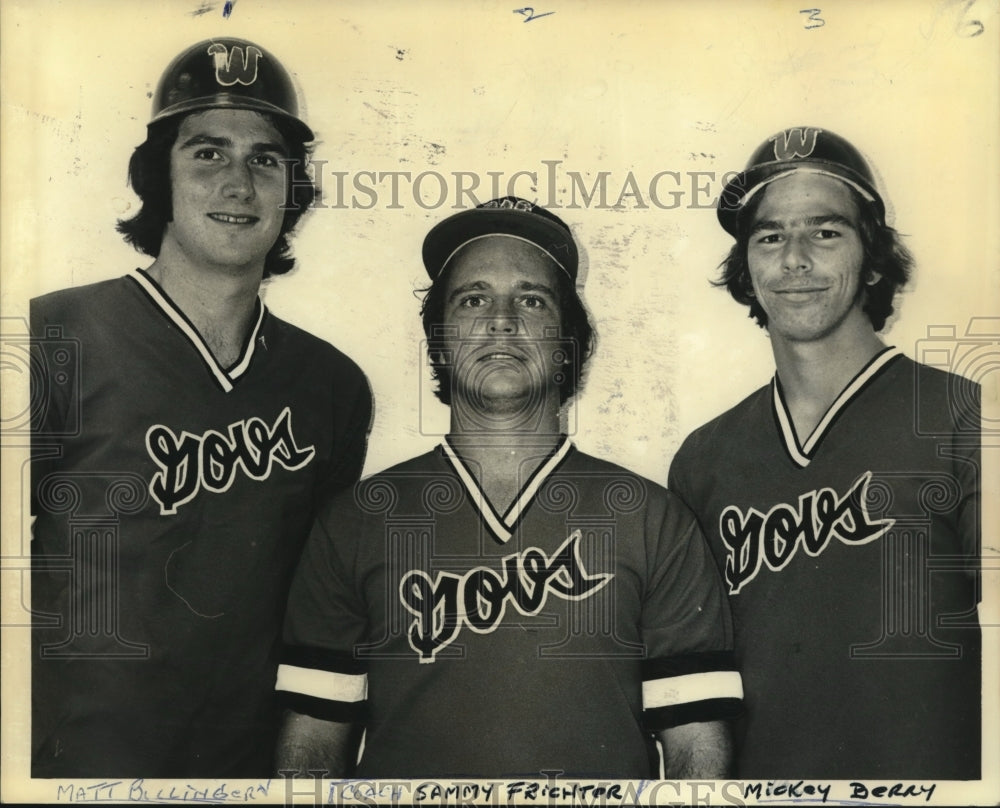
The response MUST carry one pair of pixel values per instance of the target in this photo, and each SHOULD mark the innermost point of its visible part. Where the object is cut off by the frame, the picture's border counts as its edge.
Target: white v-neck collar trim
(502, 527)
(225, 377)
(802, 454)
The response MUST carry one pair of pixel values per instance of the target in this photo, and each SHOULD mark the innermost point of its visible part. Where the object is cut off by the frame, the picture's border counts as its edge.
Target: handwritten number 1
(529, 13)
(813, 17)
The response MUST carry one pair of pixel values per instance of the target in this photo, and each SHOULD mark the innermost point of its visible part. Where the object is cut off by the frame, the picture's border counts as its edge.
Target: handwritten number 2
(529, 13)
(814, 17)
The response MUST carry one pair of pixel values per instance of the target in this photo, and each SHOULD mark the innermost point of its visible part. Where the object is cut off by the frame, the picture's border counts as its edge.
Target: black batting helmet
(227, 73)
(799, 148)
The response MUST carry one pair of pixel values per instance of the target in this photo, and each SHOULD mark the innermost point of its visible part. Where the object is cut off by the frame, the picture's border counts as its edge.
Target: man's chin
(500, 408)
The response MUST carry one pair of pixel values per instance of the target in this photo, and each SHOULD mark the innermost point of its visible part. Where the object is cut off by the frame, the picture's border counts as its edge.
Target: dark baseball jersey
(172, 497)
(851, 559)
(552, 637)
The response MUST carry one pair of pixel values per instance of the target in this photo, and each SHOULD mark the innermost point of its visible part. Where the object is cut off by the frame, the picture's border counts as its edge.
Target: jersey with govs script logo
(851, 561)
(553, 636)
(172, 497)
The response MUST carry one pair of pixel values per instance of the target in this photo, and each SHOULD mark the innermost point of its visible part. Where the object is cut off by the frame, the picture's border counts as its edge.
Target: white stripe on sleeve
(323, 684)
(691, 687)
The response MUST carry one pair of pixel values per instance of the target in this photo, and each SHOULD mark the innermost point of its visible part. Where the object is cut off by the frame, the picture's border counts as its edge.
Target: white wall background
(642, 87)
(448, 86)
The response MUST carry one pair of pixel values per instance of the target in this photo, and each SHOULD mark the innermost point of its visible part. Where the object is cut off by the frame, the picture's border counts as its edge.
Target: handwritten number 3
(529, 13)
(813, 18)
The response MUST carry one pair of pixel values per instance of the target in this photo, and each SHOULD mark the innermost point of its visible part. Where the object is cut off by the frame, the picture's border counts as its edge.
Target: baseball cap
(227, 73)
(799, 148)
(507, 216)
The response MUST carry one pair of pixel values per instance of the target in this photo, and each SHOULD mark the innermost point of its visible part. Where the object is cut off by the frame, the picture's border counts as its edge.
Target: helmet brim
(230, 101)
(747, 184)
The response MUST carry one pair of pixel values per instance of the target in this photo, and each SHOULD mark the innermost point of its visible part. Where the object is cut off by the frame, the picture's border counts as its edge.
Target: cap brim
(449, 236)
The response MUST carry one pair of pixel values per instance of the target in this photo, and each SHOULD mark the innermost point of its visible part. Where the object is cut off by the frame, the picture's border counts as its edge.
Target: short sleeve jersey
(554, 636)
(172, 498)
(851, 563)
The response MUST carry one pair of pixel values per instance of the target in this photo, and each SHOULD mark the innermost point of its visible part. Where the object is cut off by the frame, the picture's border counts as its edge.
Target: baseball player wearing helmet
(506, 605)
(841, 500)
(183, 435)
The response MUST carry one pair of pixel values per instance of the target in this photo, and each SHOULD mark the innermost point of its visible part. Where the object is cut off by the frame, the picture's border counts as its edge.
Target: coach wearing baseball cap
(183, 436)
(506, 605)
(841, 499)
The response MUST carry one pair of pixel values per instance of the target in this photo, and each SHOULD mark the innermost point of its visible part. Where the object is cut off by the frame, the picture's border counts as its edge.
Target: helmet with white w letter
(798, 148)
(227, 73)
(223, 73)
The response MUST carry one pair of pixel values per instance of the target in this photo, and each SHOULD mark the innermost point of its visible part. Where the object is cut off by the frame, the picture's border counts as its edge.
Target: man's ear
(871, 277)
